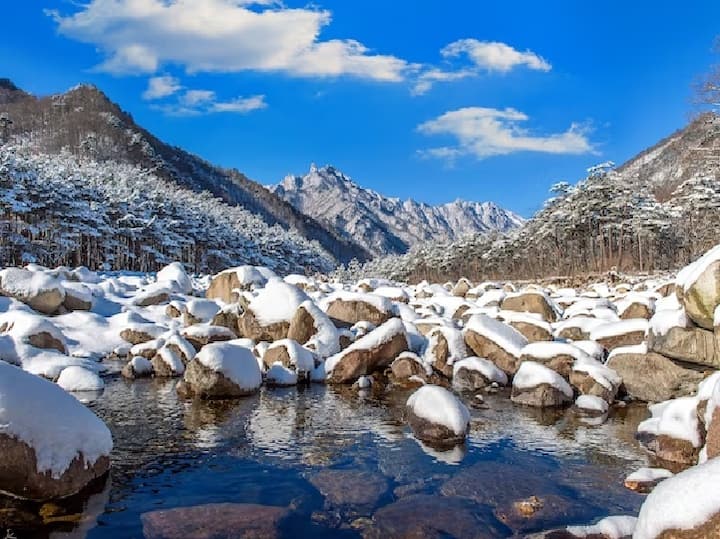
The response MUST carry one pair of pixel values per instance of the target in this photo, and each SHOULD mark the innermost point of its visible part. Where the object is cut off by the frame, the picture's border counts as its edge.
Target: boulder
(673, 432)
(558, 356)
(227, 284)
(686, 506)
(615, 527)
(623, 333)
(141, 332)
(155, 294)
(34, 330)
(474, 373)
(77, 297)
(200, 311)
(167, 363)
(370, 353)
(268, 314)
(242, 520)
(437, 417)
(532, 332)
(200, 336)
(692, 344)
(312, 327)
(221, 370)
(653, 378)
(461, 288)
(175, 277)
(698, 288)
(445, 346)
(137, 367)
(530, 302)
(491, 339)
(290, 354)
(347, 309)
(408, 368)
(228, 317)
(538, 386)
(42, 292)
(645, 480)
(52, 446)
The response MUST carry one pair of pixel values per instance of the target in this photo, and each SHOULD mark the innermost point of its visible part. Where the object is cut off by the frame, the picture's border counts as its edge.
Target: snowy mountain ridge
(387, 225)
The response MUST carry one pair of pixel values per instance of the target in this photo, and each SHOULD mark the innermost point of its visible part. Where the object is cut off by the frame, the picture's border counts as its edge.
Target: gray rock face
(695, 345)
(382, 224)
(652, 377)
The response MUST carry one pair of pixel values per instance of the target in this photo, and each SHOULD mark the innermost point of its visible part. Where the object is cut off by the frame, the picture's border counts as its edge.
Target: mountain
(658, 211)
(86, 123)
(386, 225)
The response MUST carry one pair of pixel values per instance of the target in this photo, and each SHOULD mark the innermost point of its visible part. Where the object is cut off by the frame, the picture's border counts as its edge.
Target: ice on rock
(80, 379)
(50, 421)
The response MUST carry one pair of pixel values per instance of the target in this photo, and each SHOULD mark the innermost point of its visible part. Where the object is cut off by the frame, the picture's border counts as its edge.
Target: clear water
(265, 449)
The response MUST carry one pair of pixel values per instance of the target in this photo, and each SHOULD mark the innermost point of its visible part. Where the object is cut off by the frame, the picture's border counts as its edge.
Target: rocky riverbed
(246, 404)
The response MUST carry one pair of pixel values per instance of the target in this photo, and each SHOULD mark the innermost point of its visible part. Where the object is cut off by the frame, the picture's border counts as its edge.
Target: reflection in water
(262, 449)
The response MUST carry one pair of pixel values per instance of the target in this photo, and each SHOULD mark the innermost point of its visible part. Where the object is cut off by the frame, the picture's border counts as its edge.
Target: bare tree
(707, 90)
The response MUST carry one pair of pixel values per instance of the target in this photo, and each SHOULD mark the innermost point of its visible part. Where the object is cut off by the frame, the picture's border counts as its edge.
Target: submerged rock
(212, 521)
(424, 516)
(349, 487)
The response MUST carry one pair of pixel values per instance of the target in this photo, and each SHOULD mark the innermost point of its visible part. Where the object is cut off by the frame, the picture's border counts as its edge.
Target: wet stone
(226, 520)
(434, 517)
(348, 487)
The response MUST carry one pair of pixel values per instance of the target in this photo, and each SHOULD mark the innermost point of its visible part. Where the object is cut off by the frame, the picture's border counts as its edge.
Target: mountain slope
(386, 225)
(85, 122)
(659, 210)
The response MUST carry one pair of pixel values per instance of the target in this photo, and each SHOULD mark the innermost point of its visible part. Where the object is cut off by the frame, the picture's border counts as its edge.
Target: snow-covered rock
(176, 278)
(80, 379)
(698, 288)
(40, 291)
(51, 445)
(673, 432)
(491, 339)
(645, 479)
(437, 416)
(537, 385)
(374, 351)
(686, 506)
(475, 373)
(222, 370)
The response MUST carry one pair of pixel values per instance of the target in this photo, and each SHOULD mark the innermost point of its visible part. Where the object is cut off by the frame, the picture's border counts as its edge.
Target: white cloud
(192, 98)
(484, 132)
(240, 104)
(198, 102)
(159, 87)
(494, 55)
(140, 36)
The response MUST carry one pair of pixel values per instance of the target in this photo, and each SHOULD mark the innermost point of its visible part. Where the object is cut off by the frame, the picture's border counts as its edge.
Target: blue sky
(429, 100)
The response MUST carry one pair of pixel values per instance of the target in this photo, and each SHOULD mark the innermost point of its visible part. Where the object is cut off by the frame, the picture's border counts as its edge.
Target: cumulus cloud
(494, 55)
(488, 56)
(484, 132)
(140, 36)
(160, 87)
